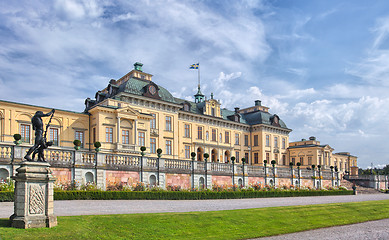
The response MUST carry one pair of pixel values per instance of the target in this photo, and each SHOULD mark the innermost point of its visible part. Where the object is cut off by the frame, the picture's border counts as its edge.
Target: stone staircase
(360, 190)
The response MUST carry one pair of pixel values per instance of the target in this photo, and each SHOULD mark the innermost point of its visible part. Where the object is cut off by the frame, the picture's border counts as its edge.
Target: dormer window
(186, 106)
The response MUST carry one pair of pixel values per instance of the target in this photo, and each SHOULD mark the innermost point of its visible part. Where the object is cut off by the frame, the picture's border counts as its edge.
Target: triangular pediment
(129, 111)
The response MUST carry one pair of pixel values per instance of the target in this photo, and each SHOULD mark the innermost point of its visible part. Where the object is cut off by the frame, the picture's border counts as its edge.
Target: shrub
(8, 196)
(7, 184)
(77, 143)
(256, 186)
(89, 187)
(139, 187)
(97, 144)
(173, 188)
(17, 137)
(218, 188)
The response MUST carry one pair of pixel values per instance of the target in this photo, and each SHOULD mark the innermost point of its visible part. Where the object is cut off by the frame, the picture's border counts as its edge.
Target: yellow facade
(16, 118)
(311, 152)
(134, 111)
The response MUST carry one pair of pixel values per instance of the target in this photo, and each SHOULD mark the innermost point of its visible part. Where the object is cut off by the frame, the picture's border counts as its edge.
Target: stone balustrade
(82, 161)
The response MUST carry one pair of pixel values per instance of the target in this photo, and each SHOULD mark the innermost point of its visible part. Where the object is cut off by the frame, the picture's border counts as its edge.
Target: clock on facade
(152, 90)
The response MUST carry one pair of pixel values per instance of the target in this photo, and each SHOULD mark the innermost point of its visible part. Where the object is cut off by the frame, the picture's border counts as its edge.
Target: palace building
(135, 111)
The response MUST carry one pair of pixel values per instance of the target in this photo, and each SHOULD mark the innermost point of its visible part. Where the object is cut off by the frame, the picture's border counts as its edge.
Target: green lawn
(233, 224)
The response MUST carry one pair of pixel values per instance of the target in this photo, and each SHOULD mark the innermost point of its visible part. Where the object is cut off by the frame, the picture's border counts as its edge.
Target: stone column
(34, 205)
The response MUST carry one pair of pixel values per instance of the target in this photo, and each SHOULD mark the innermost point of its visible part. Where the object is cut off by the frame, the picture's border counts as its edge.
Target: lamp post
(291, 171)
(298, 173)
(273, 163)
(332, 175)
(159, 152)
(142, 149)
(243, 162)
(206, 156)
(264, 164)
(313, 175)
(193, 154)
(337, 176)
(233, 172)
(319, 168)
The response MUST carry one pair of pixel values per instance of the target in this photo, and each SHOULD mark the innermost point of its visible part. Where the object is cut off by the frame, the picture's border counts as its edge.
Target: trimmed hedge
(6, 196)
(179, 195)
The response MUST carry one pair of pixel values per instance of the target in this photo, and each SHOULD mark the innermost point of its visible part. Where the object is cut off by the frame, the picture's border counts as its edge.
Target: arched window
(89, 177)
(200, 154)
(201, 183)
(153, 180)
(214, 155)
(240, 182)
(4, 174)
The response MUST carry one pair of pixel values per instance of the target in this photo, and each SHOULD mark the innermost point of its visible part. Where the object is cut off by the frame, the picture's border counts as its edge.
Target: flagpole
(198, 64)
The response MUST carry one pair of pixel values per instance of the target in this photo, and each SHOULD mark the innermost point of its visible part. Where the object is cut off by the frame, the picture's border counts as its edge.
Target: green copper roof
(136, 87)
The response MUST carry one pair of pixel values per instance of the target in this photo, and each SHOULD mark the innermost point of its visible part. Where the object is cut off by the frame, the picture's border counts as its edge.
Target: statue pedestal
(34, 205)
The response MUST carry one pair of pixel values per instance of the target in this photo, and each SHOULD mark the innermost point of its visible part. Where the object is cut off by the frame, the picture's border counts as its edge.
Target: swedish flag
(194, 66)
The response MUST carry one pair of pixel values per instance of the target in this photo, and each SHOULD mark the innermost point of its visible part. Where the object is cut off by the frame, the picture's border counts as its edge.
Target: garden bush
(157, 194)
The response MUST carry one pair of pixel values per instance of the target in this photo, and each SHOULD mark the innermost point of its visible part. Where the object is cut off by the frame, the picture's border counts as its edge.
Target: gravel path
(360, 231)
(99, 207)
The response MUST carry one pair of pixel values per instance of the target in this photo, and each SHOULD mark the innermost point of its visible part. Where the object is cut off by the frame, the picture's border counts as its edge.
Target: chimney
(257, 102)
(312, 138)
(236, 110)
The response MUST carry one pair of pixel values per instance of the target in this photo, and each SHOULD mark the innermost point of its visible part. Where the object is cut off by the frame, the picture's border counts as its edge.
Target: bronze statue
(40, 141)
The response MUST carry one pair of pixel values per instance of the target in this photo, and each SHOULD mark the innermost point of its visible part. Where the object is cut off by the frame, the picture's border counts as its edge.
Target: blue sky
(322, 66)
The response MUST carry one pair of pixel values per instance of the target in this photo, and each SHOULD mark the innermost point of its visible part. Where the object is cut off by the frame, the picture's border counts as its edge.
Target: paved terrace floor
(100, 207)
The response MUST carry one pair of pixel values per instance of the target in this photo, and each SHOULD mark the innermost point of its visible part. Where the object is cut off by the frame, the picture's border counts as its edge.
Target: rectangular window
(236, 138)
(187, 131)
(256, 160)
(187, 151)
(141, 138)
(227, 137)
(246, 155)
(310, 161)
(168, 147)
(214, 135)
(200, 132)
(267, 141)
(153, 122)
(94, 135)
(153, 145)
(109, 135)
(237, 156)
(255, 140)
(25, 132)
(268, 157)
(302, 160)
(168, 123)
(213, 111)
(294, 161)
(80, 136)
(276, 157)
(283, 143)
(246, 140)
(276, 142)
(126, 136)
(54, 136)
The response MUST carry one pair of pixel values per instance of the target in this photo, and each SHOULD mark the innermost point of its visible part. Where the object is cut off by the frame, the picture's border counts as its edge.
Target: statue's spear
(47, 126)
